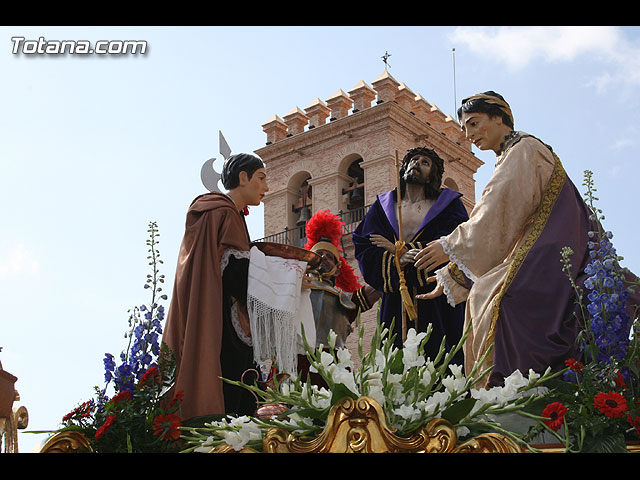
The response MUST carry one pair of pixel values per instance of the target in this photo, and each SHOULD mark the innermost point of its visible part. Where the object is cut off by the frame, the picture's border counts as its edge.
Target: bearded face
(418, 170)
(422, 166)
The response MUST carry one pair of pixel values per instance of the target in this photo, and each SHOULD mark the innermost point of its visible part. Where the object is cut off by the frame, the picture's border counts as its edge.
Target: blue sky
(94, 147)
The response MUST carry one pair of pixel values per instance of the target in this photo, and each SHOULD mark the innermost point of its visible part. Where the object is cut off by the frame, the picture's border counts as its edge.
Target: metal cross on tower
(385, 57)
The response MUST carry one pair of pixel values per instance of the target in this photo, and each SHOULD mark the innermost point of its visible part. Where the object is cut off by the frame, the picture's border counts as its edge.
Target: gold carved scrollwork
(489, 443)
(359, 426)
(67, 442)
(353, 426)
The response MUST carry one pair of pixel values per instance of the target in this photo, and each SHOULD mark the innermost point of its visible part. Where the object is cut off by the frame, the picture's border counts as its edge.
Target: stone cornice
(320, 180)
(347, 126)
(350, 125)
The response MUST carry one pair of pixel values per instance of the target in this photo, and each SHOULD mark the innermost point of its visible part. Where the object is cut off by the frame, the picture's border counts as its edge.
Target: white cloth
(277, 308)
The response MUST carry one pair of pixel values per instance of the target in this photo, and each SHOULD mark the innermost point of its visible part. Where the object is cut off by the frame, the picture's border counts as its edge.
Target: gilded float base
(359, 426)
(353, 426)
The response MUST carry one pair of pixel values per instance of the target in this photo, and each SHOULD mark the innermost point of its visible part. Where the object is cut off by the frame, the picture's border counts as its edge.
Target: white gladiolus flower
(454, 385)
(414, 339)
(326, 359)
(436, 401)
(318, 397)
(483, 396)
(401, 386)
(512, 384)
(247, 431)
(394, 378)
(373, 378)
(344, 357)
(345, 377)
(430, 366)
(515, 381)
(456, 370)
(332, 339)
(376, 392)
(296, 420)
(233, 438)
(238, 421)
(380, 360)
(205, 445)
(411, 358)
(426, 377)
(374, 387)
(396, 395)
(495, 395)
(324, 401)
(407, 412)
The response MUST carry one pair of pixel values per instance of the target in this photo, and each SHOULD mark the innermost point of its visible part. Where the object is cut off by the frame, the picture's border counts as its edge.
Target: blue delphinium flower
(609, 321)
(124, 379)
(109, 367)
(145, 333)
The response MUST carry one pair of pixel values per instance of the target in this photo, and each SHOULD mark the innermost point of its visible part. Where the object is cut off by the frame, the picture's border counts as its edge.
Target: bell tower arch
(339, 154)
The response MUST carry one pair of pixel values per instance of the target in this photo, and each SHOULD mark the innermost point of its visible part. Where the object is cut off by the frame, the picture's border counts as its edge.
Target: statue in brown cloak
(207, 326)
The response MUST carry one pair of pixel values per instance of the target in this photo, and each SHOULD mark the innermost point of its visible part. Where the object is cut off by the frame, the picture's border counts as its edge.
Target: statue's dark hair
(479, 105)
(433, 187)
(240, 162)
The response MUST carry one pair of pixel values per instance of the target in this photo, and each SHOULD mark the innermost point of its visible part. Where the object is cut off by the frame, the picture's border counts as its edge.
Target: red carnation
(574, 364)
(122, 396)
(167, 426)
(611, 404)
(110, 419)
(634, 422)
(151, 373)
(177, 398)
(555, 413)
(82, 411)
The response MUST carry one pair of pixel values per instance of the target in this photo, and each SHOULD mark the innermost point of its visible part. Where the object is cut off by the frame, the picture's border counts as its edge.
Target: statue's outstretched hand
(431, 256)
(382, 242)
(409, 256)
(436, 292)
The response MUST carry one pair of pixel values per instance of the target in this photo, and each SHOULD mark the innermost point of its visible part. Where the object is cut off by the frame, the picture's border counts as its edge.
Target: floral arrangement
(138, 417)
(412, 389)
(596, 406)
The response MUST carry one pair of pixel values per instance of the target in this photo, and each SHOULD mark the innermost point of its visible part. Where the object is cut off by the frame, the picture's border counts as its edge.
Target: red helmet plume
(324, 229)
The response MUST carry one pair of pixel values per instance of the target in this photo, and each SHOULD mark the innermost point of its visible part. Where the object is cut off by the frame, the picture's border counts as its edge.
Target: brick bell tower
(339, 154)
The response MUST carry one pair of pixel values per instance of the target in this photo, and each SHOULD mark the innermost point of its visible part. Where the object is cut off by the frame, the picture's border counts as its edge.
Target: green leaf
(396, 366)
(613, 443)
(313, 413)
(458, 410)
(339, 392)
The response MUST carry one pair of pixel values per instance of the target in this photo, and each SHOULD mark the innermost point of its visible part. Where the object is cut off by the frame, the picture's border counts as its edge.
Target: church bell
(356, 196)
(305, 215)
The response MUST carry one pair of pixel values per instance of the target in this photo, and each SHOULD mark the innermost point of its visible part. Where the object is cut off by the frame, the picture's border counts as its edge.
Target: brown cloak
(194, 326)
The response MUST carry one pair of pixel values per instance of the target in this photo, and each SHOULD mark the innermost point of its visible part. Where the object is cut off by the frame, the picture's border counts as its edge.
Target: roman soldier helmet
(324, 230)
